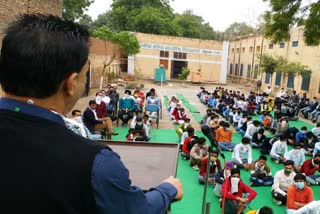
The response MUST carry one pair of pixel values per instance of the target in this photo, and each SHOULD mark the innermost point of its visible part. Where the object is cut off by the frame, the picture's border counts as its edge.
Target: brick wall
(10, 9)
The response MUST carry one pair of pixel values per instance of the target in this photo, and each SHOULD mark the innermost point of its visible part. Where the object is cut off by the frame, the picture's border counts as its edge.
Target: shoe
(195, 167)
(277, 202)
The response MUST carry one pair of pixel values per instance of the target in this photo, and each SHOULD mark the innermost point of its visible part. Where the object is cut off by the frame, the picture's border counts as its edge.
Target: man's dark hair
(299, 176)
(39, 52)
(245, 141)
(316, 155)
(201, 140)
(92, 102)
(265, 210)
(73, 113)
(288, 162)
(263, 157)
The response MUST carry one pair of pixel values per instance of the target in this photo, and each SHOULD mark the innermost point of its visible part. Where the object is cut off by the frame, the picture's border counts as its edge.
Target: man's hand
(177, 184)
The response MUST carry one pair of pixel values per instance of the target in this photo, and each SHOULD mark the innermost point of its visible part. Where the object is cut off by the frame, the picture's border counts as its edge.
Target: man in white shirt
(279, 148)
(267, 92)
(297, 155)
(251, 129)
(311, 208)
(282, 180)
(316, 130)
(242, 154)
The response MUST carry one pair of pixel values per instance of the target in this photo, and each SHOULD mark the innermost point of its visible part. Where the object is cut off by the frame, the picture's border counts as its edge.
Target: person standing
(43, 66)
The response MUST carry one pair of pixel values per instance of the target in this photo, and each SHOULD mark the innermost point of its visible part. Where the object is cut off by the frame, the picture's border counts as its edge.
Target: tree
(193, 26)
(268, 64)
(294, 69)
(74, 9)
(239, 29)
(285, 14)
(126, 41)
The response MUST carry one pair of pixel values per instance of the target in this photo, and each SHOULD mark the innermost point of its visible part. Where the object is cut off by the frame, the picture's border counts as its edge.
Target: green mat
(186, 103)
(193, 191)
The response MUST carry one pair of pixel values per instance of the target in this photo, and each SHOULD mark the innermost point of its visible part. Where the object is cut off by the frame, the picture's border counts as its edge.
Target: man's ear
(70, 83)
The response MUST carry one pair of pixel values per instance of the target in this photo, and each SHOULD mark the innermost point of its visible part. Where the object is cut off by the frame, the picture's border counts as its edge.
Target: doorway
(176, 68)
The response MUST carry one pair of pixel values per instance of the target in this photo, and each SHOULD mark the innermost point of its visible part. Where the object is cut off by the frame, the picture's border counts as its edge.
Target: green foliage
(285, 14)
(127, 41)
(239, 29)
(193, 26)
(74, 9)
(268, 64)
(184, 74)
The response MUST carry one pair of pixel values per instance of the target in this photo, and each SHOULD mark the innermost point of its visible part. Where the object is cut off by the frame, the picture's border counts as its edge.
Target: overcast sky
(219, 13)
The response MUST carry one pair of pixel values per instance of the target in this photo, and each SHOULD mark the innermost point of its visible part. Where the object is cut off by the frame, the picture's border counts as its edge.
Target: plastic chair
(153, 108)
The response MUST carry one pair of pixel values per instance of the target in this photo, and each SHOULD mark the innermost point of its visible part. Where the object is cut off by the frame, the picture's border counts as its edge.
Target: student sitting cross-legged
(261, 174)
(215, 166)
(242, 154)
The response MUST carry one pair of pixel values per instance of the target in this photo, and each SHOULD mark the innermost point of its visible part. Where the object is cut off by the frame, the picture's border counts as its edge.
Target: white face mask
(186, 124)
(78, 119)
(139, 123)
(284, 123)
(227, 129)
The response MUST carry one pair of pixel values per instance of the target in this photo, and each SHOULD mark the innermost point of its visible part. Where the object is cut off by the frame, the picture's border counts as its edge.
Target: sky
(219, 13)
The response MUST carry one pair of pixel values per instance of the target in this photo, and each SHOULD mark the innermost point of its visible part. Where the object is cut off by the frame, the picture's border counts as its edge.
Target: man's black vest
(45, 168)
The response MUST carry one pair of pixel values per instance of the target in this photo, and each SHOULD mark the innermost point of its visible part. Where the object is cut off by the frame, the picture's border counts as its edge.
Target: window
(270, 46)
(249, 71)
(256, 68)
(236, 71)
(231, 67)
(178, 55)
(290, 81)
(267, 80)
(238, 50)
(164, 54)
(251, 49)
(305, 82)
(258, 49)
(281, 44)
(295, 43)
(243, 50)
(241, 70)
(278, 78)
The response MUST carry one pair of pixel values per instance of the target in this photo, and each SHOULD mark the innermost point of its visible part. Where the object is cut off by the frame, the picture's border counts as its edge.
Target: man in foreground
(46, 167)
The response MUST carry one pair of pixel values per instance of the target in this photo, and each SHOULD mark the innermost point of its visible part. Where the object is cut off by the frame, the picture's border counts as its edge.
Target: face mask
(213, 159)
(126, 95)
(235, 180)
(139, 123)
(284, 123)
(303, 132)
(287, 172)
(227, 129)
(78, 119)
(186, 124)
(215, 120)
(283, 141)
(299, 185)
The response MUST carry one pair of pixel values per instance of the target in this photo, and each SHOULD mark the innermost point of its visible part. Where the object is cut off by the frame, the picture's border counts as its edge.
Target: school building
(243, 63)
(206, 59)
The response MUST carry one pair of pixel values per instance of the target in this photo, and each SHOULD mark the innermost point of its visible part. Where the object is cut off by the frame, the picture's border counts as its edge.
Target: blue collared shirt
(110, 178)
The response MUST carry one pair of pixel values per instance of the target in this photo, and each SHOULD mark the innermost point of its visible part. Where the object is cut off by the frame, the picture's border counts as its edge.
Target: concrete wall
(206, 55)
(304, 54)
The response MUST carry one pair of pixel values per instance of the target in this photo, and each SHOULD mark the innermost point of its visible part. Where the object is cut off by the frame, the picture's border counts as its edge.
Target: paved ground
(189, 90)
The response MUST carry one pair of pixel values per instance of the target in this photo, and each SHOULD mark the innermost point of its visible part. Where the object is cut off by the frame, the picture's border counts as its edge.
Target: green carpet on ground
(193, 191)
(186, 103)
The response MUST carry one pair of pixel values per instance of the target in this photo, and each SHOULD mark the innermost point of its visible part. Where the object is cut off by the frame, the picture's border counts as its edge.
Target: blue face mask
(299, 185)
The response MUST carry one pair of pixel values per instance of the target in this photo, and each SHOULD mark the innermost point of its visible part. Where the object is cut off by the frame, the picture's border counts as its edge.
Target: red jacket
(185, 145)
(213, 167)
(101, 110)
(243, 188)
(308, 168)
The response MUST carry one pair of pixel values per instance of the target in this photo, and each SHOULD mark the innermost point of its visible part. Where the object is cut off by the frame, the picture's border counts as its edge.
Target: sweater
(42, 168)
